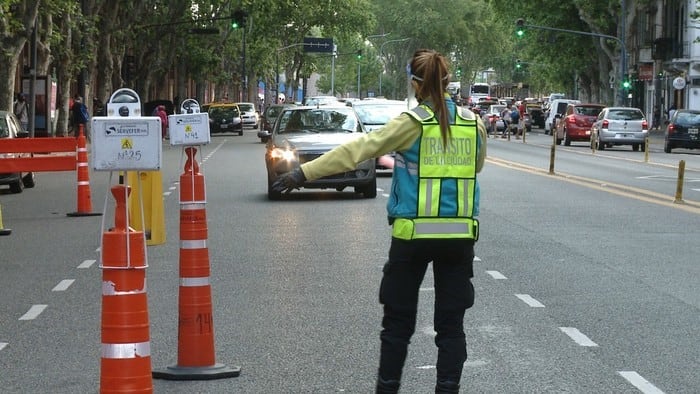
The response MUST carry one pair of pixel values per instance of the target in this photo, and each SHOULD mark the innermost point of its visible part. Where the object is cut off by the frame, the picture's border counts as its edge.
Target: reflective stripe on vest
(437, 162)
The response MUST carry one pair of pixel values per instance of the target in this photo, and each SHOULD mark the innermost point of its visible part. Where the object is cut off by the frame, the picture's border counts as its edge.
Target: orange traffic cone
(3, 230)
(195, 355)
(84, 202)
(126, 350)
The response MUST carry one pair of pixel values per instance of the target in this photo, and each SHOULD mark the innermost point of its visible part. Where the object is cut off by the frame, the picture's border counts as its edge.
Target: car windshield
(625, 114)
(588, 111)
(4, 132)
(318, 120)
(216, 112)
(246, 107)
(378, 114)
(687, 119)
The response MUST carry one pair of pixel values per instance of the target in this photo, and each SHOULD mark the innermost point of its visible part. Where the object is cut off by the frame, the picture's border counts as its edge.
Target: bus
(477, 91)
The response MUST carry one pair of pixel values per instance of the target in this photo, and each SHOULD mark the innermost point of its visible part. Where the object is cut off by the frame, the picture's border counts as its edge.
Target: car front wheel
(369, 190)
(17, 187)
(667, 147)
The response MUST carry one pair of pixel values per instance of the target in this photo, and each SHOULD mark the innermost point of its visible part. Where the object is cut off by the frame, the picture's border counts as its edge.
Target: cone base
(5, 231)
(216, 371)
(74, 214)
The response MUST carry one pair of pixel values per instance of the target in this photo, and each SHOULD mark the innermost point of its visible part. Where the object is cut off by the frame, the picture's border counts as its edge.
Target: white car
(556, 107)
(249, 115)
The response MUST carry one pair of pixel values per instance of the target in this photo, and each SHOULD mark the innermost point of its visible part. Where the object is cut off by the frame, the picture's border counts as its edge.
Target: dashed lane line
(33, 312)
(496, 275)
(578, 336)
(526, 298)
(63, 285)
(639, 382)
(86, 264)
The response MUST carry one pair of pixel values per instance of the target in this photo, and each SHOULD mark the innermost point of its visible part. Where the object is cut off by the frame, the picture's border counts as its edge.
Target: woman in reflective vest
(432, 208)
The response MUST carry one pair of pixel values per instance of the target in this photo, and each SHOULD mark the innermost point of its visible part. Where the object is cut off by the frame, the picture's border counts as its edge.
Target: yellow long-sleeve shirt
(397, 135)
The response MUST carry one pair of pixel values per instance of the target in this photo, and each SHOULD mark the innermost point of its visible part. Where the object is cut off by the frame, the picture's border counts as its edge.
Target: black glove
(289, 180)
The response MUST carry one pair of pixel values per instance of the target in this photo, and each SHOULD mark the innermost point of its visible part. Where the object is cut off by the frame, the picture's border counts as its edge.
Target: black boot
(387, 386)
(447, 387)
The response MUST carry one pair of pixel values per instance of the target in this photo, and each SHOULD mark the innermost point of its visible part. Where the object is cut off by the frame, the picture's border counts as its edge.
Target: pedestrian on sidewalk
(439, 148)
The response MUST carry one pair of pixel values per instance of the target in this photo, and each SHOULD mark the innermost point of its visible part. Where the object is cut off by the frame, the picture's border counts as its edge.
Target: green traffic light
(520, 27)
(234, 25)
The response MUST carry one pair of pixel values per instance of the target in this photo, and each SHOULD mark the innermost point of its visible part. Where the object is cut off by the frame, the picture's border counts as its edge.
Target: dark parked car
(575, 124)
(304, 133)
(683, 130)
(10, 127)
(225, 118)
(267, 120)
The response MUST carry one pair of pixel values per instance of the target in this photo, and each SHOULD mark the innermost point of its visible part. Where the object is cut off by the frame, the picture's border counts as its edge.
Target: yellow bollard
(646, 149)
(3, 230)
(679, 183)
(594, 141)
(147, 187)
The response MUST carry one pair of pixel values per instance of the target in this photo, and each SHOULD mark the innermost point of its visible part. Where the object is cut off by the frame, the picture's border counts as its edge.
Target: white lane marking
(172, 188)
(639, 382)
(86, 264)
(166, 193)
(427, 289)
(63, 285)
(496, 275)
(477, 259)
(577, 336)
(33, 312)
(697, 190)
(426, 367)
(526, 298)
(385, 195)
(2, 345)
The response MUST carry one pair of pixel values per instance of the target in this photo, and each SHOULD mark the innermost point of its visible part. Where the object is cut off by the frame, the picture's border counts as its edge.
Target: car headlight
(284, 154)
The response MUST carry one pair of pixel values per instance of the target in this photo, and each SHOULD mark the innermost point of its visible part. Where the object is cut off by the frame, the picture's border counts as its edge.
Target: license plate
(588, 132)
(224, 126)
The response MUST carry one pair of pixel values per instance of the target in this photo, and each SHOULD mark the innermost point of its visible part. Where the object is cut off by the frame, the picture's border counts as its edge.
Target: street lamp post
(381, 56)
(358, 61)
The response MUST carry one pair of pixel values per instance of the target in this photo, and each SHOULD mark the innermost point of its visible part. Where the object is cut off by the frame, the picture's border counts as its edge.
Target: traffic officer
(433, 207)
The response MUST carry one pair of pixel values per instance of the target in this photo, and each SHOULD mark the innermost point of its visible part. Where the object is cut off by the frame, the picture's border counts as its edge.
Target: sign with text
(318, 44)
(189, 129)
(126, 143)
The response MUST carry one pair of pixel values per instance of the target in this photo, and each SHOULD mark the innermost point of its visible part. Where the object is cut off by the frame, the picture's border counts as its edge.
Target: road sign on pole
(318, 44)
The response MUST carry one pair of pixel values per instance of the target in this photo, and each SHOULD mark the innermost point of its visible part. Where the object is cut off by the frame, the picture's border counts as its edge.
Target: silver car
(301, 134)
(620, 126)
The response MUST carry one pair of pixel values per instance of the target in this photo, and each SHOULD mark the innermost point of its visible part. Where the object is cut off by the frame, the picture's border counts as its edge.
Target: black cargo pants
(454, 293)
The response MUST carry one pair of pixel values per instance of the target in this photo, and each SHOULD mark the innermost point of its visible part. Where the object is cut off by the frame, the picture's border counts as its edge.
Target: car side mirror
(23, 134)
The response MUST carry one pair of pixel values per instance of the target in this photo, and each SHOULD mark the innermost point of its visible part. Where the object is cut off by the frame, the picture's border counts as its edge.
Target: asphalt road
(586, 279)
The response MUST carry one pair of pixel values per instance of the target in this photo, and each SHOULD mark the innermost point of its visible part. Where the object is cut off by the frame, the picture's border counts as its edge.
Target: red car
(575, 124)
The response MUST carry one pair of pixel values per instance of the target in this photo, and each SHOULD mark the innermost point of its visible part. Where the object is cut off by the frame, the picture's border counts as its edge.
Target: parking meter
(127, 142)
(189, 106)
(124, 102)
(190, 127)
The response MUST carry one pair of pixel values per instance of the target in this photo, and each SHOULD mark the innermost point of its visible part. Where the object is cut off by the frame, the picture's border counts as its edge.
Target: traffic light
(520, 27)
(458, 73)
(626, 84)
(518, 65)
(238, 19)
(359, 54)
